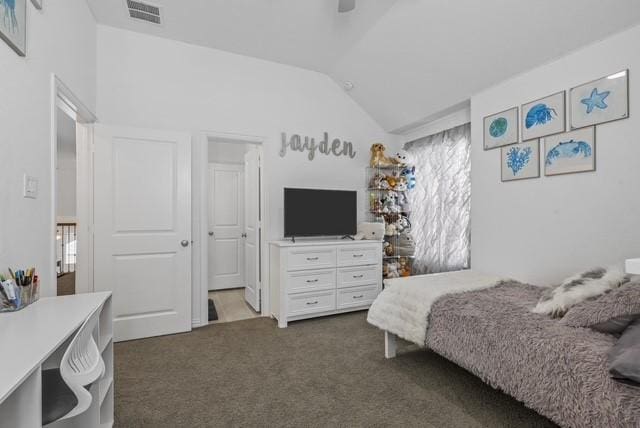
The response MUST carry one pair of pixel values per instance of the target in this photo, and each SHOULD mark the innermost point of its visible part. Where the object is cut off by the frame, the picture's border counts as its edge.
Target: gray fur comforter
(559, 371)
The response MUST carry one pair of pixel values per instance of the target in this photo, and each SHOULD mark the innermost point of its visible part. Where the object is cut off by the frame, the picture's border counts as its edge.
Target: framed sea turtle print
(573, 151)
(545, 116)
(520, 161)
(501, 129)
(13, 24)
(600, 101)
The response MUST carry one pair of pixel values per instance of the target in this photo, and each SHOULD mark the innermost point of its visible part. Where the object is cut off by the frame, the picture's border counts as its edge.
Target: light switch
(30, 187)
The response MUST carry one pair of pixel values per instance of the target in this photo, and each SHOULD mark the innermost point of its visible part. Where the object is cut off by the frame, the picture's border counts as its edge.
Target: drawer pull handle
(312, 280)
(358, 276)
(312, 258)
(360, 296)
(312, 303)
(358, 255)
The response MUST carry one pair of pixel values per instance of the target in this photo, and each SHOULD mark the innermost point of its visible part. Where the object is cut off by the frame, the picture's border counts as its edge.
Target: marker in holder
(18, 291)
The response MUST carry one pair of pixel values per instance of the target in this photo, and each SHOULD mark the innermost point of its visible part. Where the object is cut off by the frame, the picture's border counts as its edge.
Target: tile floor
(231, 306)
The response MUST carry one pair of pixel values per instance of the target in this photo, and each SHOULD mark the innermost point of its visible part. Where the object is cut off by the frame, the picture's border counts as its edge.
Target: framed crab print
(520, 161)
(501, 129)
(600, 101)
(570, 152)
(542, 117)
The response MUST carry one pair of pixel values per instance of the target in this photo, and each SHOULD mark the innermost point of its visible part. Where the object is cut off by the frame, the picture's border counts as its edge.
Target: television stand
(348, 237)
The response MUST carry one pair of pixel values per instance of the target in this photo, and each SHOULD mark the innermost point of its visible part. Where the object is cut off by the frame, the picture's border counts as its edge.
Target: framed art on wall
(501, 129)
(520, 161)
(600, 101)
(13, 24)
(570, 152)
(545, 116)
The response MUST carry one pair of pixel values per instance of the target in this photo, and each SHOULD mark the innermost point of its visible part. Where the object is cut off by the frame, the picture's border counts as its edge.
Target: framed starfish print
(600, 101)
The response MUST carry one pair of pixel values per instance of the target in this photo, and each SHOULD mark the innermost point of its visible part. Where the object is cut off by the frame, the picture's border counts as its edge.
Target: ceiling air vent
(144, 11)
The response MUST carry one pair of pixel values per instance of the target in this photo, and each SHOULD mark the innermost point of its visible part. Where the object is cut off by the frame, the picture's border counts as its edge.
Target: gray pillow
(624, 356)
(610, 312)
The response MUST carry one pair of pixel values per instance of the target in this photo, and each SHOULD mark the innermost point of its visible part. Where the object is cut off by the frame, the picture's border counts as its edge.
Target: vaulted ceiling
(409, 60)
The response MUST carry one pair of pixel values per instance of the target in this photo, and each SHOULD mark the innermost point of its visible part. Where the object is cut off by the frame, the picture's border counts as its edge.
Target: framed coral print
(13, 25)
(600, 101)
(501, 129)
(570, 152)
(521, 161)
(542, 117)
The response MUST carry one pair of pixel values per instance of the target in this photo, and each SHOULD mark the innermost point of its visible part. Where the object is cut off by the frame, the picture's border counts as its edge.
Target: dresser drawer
(309, 303)
(311, 258)
(311, 280)
(361, 275)
(357, 296)
(360, 255)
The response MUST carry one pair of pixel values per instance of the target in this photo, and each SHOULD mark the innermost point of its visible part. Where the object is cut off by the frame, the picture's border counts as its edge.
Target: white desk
(34, 339)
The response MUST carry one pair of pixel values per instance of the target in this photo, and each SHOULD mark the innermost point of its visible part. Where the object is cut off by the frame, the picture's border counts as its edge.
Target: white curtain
(441, 200)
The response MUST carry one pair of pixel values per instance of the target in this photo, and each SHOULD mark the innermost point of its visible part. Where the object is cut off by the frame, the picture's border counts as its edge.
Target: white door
(252, 241)
(142, 217)
(226, 226)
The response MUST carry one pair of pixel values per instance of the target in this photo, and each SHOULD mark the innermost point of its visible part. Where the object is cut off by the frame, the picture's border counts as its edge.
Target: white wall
(145, 81)
(60, 39)
(543, 229)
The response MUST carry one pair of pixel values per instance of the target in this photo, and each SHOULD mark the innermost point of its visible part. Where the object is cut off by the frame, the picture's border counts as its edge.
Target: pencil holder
(18, 297)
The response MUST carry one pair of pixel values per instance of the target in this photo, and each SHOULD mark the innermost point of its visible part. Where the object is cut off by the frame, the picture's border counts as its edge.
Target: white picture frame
(520, 161)
(570, 152)
(544, 116)
(600, 101)
(501, 129)
(13, 26)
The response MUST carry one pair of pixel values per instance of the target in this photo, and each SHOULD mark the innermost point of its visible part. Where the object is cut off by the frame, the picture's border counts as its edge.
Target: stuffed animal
(378, 158)
(403, 224)
(410, 175)
(379, 181)
(404, 268)
(390, 203)
(403, 202)
(401, 184)
(391, 270)
(402, 158)
(390, 229)
(388, 249)
(370, 231)
(406, 246)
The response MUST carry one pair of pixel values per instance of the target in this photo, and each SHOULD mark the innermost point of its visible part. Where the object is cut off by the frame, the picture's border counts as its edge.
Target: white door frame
(199, 224)
(63, 98)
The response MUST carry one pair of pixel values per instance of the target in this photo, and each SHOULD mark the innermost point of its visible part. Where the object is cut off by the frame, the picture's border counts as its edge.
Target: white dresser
(314, 278)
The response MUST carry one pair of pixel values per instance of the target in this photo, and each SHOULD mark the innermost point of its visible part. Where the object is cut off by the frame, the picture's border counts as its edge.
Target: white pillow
(578, 288)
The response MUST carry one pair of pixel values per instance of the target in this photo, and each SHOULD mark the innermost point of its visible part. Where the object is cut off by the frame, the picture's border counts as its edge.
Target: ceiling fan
(346, 5)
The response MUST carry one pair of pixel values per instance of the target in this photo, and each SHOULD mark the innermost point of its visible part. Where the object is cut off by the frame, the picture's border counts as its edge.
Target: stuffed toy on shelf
(378, 158)
(409, 173)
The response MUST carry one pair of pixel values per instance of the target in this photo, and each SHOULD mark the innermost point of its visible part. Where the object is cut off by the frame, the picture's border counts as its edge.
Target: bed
(484, 324)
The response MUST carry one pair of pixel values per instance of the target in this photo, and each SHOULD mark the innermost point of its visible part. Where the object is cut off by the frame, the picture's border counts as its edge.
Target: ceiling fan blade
(346, 5)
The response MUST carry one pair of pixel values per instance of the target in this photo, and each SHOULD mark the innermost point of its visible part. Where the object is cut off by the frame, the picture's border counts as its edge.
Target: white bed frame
(390, 345)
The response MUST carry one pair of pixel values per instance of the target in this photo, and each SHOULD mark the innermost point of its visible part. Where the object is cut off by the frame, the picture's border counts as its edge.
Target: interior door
(226, 226)
(252, 241)
(142, 219)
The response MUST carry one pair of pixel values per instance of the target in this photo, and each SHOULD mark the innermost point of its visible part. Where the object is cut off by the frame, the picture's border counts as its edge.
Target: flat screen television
(311, 212)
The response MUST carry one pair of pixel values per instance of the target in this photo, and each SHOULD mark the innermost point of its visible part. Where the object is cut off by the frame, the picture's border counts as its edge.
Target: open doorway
(234, 231)
(66, 204)
(72, 192)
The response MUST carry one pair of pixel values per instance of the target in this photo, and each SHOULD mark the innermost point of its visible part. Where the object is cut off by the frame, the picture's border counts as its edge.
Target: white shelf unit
(38, 336)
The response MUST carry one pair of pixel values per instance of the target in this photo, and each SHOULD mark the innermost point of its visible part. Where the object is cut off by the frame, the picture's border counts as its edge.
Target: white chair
(65, 391)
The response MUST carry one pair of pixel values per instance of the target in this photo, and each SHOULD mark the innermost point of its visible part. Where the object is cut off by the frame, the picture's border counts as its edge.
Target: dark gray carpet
(324, 372)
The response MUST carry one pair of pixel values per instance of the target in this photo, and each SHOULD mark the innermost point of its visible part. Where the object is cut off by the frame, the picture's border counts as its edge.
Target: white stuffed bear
(402, 158)
(390, 230)
(392, 271)
(370, 231)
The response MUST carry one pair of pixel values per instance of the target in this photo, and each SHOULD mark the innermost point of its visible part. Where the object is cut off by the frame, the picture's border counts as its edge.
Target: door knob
(210, 233)
(184, 243)
(244, 235)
